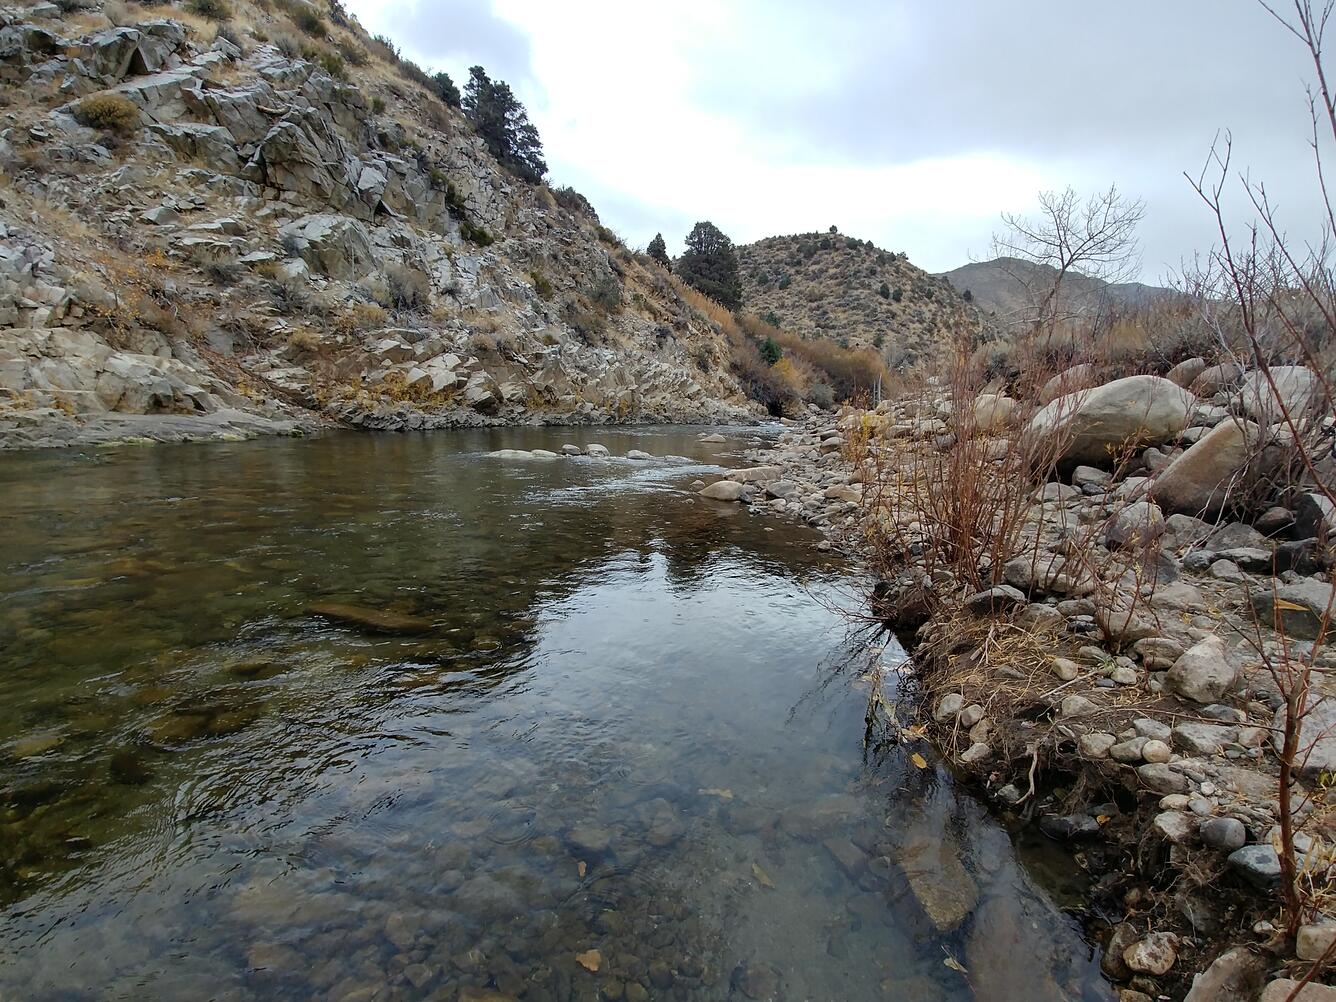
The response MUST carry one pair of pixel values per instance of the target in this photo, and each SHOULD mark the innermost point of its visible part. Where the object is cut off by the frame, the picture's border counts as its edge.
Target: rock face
(1089, 426)
(1198, 482)
(268, 225)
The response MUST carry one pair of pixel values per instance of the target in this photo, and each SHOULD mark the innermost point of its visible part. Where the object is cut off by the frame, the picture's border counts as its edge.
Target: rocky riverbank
(1140, 730)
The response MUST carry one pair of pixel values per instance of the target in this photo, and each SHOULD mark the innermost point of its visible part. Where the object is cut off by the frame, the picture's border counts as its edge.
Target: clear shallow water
(632, 727)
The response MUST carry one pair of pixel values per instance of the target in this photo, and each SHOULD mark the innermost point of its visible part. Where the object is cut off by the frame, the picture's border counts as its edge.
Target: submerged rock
(376, 620)
(941, 884)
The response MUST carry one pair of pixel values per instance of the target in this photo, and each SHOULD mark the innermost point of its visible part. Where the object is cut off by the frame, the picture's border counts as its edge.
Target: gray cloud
(1087, 94)
(453, 35)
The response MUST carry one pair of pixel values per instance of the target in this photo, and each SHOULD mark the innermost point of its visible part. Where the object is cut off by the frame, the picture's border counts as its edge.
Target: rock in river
(376, 620)
(725, 490)
(942, 886)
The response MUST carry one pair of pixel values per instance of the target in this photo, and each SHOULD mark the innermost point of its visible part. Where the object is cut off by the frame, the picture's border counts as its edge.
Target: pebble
(1065, 669)
(1156, 752)
(949, 706)
(1096, 744)
(1155, 954)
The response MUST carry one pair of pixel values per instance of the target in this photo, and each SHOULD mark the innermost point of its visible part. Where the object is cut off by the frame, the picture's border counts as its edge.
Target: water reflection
(615, 766)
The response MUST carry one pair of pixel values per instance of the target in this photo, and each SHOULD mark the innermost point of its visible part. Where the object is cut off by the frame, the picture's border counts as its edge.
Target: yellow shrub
(109, 112)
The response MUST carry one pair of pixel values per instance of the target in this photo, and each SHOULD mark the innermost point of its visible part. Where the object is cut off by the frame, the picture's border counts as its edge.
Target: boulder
(1186, 372)
(1234, 976)
(993, 412)
(1314, 939)
(1139, 524)
(1199, 481)
(1226, 834)
(1204, 673)
(1091, 426)
(1215, 378)
(1257, 864)
(994, 599)
(1155, 954)
(1292, 389)
(1300, 610)
(1078, 377)
(725, 490)
(1314, 515)
(1287, 989)
(211, 145)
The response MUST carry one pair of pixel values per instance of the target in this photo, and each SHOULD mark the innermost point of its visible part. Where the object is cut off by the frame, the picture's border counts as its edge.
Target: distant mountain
(829, 285)
(999, 286)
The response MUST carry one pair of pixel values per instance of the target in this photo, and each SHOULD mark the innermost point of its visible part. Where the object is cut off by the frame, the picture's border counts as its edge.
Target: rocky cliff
(828, 285)
(215, 229)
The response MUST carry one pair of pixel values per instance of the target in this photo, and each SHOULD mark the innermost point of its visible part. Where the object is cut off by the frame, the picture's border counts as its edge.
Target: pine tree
(710, 265)
(658, 250)
(771, 351)
(445, 89)
(504, 126)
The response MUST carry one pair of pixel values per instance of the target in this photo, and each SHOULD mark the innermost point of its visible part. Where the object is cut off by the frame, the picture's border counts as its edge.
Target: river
(611, 748)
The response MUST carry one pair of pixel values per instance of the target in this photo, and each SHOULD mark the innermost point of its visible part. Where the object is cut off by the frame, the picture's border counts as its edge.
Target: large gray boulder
(1091, 426)
(1199, 481)
(1292, 389)
(1186, 372)
(334, 245)
(1215, 378)
(1078, 377)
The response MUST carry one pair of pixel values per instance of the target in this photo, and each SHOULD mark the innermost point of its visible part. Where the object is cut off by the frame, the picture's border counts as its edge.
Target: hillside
(263, 220)
(1000, 286)
(828, 285)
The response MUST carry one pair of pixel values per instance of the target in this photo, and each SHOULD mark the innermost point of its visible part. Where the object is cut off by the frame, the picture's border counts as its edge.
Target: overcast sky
(910, 123)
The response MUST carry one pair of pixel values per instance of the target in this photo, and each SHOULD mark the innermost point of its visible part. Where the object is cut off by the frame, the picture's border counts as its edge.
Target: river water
(610, 748)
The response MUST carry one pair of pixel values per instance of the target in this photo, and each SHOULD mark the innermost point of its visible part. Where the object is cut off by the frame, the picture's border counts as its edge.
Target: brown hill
(828, 285)
(1002, 286)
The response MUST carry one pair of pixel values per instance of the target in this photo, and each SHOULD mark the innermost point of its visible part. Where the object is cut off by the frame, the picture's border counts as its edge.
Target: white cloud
(910, 125)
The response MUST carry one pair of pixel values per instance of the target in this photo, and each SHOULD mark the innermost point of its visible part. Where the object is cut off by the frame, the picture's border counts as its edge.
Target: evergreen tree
(771, 351)
(710, 265)
(658, 250)
(504, 126)
(445, 89)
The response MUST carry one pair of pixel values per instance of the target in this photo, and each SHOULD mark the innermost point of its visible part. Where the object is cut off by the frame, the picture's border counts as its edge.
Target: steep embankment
(828, 285)
(271, 222)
